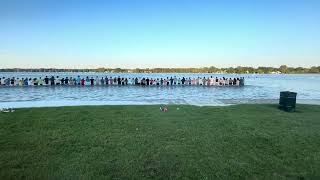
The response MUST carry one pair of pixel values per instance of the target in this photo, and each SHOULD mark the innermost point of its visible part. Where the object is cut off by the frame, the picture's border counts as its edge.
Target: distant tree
(101, 69)
(283, 69)
(314, 69)
(211, 69)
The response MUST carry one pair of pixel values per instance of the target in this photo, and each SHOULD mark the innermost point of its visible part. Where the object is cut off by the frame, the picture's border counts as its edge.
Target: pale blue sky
(159, 33)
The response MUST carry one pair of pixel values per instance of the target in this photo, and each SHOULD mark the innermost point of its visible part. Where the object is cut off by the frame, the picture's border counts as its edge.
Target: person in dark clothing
(136, 81)
(62, 81)
(161, 82)
(92, 81)
(171, 81)
(35, 82)
(148, 81)
(102, 81)
(114, 80)
(25, 82)
(122, 81)
(106, 80)
(168, 81)
(12, 81)
(52, 80)
(183, 80)
(46, 80)
(7, 82)
(66, 81)
(126, 81)
(119, 80)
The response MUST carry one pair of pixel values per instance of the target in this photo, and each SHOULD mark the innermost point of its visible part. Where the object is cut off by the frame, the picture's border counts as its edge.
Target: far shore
(283, 69)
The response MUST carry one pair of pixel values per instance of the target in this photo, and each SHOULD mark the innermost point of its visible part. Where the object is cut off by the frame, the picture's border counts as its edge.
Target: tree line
(238, 70)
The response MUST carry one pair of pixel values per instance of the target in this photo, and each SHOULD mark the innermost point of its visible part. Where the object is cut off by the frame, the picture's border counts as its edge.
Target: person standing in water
(52, 80)
(58, 81)
(35, 81)
(46, 80)
(30, 82)
(179, 81)
(175, 80)
(115, 81)
(119, 80)
(62, 81)
(16, 82)
(122, 81)
(40, 81)
(22, 82)
(97, 81)
(91, 81)
(65, 81)
(78, 80)
(106, 80)
(102, 81)
(183, 80)
(25, 83)
(87, 81)
(12, 81)
(110, 80)
(83, 82)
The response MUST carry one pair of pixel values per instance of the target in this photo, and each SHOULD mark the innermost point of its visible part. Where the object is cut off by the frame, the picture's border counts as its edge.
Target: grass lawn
(140, 142)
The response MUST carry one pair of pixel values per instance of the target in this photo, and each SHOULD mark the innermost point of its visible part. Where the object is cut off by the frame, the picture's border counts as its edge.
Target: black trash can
(287, 101)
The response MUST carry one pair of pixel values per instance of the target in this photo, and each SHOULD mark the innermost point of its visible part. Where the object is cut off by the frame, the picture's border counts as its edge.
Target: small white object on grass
(6, 110)
(178, 108)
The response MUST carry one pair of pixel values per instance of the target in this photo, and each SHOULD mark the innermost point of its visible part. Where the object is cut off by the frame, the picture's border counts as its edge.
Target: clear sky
(159, 33)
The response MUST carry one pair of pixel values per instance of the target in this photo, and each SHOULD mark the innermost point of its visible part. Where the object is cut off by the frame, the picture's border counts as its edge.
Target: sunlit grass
(141, 142)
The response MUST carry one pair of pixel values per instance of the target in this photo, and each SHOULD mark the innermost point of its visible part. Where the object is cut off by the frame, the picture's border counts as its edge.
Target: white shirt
(30, 83)
(211, 81)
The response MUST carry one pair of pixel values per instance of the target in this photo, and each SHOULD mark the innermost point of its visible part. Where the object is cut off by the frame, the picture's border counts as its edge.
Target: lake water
(257, 89)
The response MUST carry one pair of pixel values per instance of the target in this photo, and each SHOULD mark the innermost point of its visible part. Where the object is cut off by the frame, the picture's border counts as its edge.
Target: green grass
(140, 142)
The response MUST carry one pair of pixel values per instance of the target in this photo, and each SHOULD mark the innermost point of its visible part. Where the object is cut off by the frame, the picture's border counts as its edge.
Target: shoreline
(72, 103)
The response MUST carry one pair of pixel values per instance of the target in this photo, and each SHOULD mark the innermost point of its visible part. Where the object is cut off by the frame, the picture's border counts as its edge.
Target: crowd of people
(78, 81)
